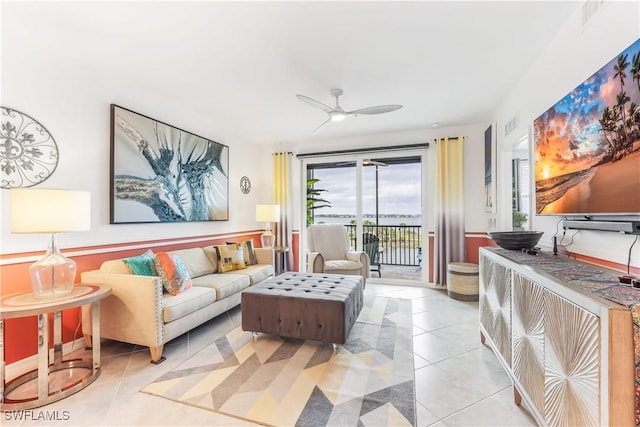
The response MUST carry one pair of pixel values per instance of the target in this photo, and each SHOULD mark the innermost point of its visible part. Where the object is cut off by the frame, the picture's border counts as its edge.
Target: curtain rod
(450, 137)
(364, 150)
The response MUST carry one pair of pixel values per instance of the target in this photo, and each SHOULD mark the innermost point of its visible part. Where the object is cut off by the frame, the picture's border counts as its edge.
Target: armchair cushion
(342, 265)
(328, 246)
(330, 240)
(355, 256)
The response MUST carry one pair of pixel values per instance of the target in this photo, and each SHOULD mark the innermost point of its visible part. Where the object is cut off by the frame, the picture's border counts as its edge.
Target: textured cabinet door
(528, 338)
(571, 364)
(495, 305)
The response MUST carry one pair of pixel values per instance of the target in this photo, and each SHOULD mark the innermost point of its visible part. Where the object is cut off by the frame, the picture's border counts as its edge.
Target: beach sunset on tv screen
(587, 146)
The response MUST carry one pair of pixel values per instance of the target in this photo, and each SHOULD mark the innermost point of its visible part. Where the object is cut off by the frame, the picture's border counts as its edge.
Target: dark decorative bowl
(516, 239)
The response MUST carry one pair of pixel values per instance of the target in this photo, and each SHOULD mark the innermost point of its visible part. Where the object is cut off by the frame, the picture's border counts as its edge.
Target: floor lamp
(51, 211)
(268, 214)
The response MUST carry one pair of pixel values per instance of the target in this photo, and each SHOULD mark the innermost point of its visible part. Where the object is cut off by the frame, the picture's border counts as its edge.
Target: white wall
(66, 78)
(575, 53)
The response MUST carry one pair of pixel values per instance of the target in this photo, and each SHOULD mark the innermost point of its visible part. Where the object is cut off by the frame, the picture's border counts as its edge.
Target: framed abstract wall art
(160, 173)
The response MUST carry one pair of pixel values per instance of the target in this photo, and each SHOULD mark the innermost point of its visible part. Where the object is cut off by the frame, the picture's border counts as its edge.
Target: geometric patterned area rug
(285, 382)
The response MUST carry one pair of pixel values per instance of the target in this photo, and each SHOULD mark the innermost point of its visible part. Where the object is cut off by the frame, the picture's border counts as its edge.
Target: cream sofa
(138, 311)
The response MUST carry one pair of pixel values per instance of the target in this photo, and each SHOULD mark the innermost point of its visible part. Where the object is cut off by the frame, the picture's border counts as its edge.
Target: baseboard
(403, 282)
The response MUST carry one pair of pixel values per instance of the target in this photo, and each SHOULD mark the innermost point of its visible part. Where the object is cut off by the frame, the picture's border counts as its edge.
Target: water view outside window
(398, 194)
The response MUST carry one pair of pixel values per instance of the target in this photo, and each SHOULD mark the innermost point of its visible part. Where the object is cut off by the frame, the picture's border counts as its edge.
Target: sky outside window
(398, 189)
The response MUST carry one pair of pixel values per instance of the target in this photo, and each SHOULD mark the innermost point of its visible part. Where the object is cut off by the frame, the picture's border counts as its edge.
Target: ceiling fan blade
(323, 123)
(376, 163)
(377, 110)
(314, 103)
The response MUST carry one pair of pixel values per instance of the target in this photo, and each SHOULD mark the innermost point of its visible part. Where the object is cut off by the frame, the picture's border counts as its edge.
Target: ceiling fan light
(338, 117)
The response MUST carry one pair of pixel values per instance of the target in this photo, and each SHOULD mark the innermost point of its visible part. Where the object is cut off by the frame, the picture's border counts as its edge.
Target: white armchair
(329, 252)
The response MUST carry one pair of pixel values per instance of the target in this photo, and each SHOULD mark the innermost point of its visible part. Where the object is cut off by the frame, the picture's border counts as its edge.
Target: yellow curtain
(282, 196)
(448, 243)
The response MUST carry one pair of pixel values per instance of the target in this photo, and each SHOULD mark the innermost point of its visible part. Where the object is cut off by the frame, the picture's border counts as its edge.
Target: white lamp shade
(268, 213)
(49, 210)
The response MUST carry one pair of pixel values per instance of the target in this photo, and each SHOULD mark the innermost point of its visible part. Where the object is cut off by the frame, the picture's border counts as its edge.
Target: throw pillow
(173, 272)
(142, 265)
(229, 258)
(249, 254)
(212, 255)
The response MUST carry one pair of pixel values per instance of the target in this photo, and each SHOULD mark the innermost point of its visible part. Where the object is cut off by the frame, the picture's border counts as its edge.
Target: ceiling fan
(338, 114)
(365, 162)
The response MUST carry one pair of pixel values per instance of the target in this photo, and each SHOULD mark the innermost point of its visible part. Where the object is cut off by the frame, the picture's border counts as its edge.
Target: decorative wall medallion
(245, 185)
(28, 152)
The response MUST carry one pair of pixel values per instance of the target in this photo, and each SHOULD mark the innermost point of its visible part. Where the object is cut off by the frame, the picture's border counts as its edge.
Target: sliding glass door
(378, 197)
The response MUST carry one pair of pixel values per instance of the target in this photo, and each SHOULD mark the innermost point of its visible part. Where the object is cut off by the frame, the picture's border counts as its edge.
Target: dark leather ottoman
(315, 306)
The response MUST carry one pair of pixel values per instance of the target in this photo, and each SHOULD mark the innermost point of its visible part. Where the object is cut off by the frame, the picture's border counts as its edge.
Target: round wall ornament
(245, 185)
(28, 152)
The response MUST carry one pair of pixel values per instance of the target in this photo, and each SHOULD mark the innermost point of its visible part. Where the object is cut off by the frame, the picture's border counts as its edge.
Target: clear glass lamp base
(53, 275)
(267, 239)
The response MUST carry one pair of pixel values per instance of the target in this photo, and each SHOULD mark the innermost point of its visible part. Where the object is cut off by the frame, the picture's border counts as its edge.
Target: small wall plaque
(245, 185)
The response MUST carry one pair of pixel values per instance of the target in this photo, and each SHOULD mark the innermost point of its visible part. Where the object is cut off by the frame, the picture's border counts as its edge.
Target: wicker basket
(462, 281)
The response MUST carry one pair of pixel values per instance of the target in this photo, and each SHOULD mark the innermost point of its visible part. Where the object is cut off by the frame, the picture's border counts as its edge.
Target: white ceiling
(240, 64)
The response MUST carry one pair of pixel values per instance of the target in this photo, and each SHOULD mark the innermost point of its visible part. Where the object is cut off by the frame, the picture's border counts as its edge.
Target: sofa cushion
(249, 254)
(210, 252)
(257, 273)
(229, 258)
(115, 266)
(172, 271)
(142, 265)
(224, 284)
(185, 303)
(196, 261)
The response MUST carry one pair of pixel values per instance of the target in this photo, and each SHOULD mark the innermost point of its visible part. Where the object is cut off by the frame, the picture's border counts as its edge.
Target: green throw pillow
(142, 265)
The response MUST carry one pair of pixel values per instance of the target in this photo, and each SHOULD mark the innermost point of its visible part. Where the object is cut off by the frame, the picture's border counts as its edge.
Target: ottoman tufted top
(308, 285)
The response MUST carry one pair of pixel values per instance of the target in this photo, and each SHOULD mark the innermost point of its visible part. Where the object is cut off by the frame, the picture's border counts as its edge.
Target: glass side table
(25, 305)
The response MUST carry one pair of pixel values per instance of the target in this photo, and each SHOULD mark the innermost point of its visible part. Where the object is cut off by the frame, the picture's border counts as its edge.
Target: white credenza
(568, 352)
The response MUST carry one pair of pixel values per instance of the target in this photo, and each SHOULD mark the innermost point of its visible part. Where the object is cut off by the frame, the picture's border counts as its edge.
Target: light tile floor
(459, 382)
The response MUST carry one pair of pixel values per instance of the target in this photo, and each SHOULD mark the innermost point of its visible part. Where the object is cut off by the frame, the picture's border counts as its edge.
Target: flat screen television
(587, 145)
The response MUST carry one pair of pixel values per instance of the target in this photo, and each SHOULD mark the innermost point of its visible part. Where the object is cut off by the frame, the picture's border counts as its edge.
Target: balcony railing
(399, 244)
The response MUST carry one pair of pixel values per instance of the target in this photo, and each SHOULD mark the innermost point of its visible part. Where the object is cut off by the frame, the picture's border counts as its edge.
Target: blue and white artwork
(161, 173)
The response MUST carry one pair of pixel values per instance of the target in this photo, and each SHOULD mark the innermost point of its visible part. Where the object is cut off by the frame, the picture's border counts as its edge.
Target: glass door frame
(359, 159)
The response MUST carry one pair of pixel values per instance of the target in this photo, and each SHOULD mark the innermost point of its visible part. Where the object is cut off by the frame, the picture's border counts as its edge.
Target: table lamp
(51, 211)
(268, 214)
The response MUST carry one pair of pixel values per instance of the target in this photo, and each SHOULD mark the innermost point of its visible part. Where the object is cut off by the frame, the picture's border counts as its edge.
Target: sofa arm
(315, 262)
(364, 259)
(133, 311)
(265, 256)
